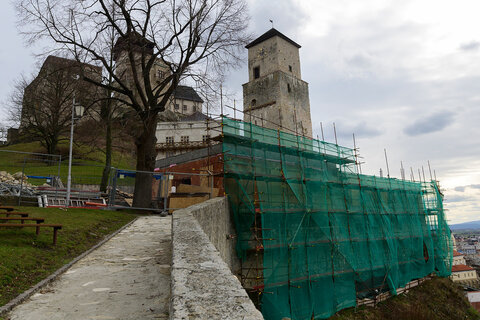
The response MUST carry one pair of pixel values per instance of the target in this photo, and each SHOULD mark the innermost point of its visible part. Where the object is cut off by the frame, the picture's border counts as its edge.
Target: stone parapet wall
(217, 223)
(203, 286)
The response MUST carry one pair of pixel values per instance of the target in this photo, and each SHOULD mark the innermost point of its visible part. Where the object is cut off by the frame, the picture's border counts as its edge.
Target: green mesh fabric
(329, 235)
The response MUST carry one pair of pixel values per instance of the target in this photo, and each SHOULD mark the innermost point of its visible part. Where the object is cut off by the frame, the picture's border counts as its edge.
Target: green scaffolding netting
(329, 235)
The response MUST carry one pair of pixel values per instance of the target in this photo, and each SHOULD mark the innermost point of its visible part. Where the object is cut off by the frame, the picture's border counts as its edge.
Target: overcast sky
(402, 75)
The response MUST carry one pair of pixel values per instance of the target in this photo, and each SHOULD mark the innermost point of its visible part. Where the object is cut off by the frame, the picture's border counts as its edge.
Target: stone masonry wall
(217, 223)
(203, 287)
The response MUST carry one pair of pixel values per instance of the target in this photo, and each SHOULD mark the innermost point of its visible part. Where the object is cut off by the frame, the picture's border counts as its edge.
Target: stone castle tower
(276, 97)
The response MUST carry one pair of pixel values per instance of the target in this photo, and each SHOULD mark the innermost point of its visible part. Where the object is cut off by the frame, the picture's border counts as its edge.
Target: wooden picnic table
(11, 213)
(22, 221)
(7, 208)
(55, 227)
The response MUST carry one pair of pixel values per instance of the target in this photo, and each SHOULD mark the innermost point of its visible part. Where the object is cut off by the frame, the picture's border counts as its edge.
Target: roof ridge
(270, 34)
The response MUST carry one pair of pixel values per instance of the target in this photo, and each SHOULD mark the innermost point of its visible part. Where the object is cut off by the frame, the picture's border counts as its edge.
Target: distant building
(187, 134)
(463, 273)
(53, 89)
(474, 299)
(186, 101)
(47, 100)
(140, 46)
(275, 96)
(458, 258)
(468, 249)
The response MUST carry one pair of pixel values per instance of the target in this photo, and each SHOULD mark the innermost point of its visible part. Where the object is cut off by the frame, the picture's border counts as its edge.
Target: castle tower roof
(136, 41)
(270, 34)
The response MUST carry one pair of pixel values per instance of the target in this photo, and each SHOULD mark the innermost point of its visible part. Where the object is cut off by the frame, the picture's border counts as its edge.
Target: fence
(41, 180)
(29, 178)
(170, 190)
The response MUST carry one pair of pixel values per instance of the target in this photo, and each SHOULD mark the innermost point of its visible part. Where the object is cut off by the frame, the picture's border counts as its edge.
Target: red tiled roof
(461, 267)
(456, 253)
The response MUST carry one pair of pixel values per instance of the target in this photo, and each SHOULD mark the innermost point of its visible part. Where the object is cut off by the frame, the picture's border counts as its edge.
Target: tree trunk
(51, 146)
(146, 155)
(108, 156)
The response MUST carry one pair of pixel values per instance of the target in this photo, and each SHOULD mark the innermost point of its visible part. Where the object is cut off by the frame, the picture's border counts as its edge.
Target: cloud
(458, 198)
(470, 46)
(359, 60)
(433, 123)
(462, 188)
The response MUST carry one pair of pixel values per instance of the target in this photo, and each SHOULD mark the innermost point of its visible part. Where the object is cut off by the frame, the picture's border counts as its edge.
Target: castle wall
(275, 96)
(270, 98)
(277, 54)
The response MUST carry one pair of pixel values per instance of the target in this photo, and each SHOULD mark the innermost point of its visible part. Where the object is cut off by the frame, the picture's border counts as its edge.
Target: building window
(205, 138)
(184, 107)
(177, 106)
(184, 139)
(194, 109)
(290, 68)
(169, 140)
(160, 74)
(254, 103)
(289, 88)
(256, 72)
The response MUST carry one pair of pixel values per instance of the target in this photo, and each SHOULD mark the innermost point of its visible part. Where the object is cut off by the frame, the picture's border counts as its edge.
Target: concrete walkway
(126, 278)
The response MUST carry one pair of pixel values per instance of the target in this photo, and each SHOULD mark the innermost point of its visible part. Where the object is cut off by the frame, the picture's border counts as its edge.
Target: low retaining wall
(203, 286)
(217, 223)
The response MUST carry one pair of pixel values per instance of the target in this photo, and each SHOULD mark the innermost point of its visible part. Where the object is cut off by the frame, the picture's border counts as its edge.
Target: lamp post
(77, 111)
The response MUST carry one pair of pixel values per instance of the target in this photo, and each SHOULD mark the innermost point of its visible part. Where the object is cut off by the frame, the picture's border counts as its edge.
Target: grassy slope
(87, 165)
(26, 259)
(438, 299)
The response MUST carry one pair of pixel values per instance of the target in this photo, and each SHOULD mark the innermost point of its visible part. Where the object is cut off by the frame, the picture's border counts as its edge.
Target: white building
(189, 133)
(463, 273)
(185, 101)
(474, 299)
(458, 258)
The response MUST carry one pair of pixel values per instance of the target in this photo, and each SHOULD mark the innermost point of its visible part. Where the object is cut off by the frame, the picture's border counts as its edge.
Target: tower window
(290, 68)
(256, 72)
(288, 87)
(254, 103)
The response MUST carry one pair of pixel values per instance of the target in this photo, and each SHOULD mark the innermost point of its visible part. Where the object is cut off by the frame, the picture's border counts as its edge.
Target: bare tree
(42, 107)
(186, 38)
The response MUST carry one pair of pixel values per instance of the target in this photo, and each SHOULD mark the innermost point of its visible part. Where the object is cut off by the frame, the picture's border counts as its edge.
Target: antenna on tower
(271, 21)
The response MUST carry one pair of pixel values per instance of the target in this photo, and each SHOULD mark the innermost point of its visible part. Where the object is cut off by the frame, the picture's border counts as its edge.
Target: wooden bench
(21, 214)
(22, 221)
(7, 208)
(55, 227)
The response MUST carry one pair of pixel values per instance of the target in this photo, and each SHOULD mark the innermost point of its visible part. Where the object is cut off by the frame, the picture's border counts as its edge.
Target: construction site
(313, 234)
(304, 231)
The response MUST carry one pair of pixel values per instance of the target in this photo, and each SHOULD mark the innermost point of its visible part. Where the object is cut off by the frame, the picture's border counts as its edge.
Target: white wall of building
(179, 137)
(464, 275)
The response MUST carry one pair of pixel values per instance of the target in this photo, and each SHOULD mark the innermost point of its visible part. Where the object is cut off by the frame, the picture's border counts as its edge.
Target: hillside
(87, 163)
(436, 299)
(466, 225)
